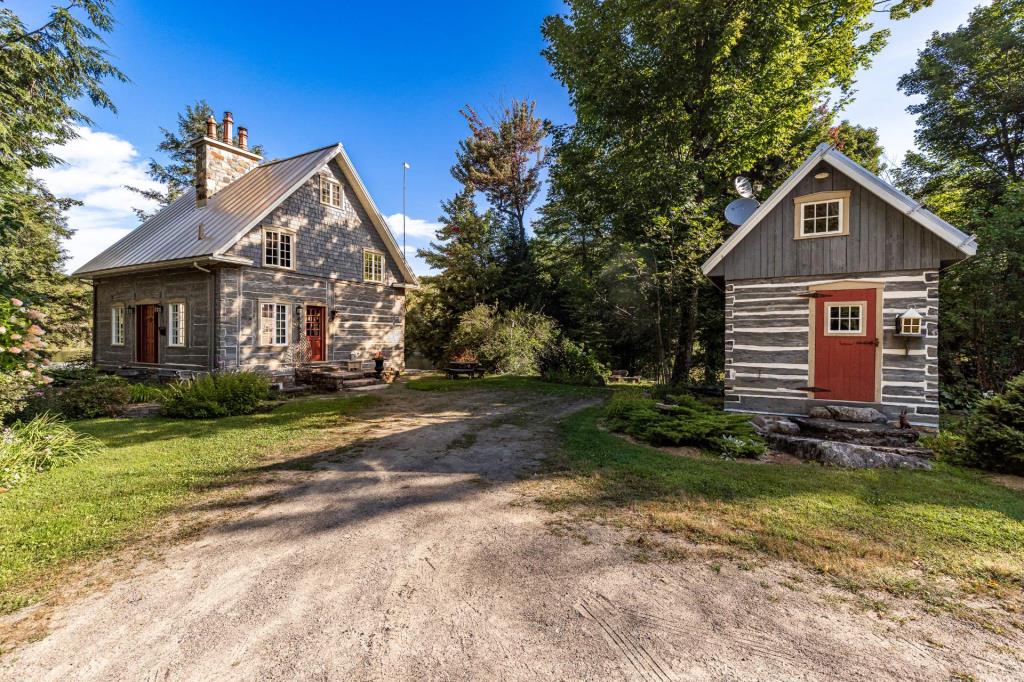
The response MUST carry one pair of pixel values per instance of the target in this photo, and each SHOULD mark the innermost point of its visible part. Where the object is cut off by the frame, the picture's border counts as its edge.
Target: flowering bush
(21, 340)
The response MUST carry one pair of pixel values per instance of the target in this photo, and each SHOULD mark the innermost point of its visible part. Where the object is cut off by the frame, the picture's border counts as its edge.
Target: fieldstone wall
(218, 165)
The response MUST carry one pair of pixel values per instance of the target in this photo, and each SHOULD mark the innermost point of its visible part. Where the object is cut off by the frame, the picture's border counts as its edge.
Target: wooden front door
(147, 333)
(846, 344)
(315, 332)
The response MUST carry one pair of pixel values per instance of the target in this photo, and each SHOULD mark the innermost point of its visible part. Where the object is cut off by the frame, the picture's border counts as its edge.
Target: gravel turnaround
(417, 553)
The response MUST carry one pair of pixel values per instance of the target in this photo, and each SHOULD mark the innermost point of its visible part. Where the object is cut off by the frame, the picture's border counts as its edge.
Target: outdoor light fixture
(158, 308)
(130, 309)
(910, 323)
(335, 314)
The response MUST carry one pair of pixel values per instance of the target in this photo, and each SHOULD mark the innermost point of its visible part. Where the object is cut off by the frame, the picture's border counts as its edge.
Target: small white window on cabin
(373, 266)
(330, 191)
(277, 248)
(845, 318)
(176, 324)
(273, 324)
(117, 325)
(821, 217)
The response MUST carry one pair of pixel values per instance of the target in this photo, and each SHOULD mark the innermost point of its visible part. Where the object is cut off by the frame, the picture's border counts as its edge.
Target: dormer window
(278, 247)
(823, 214)
(330, 191)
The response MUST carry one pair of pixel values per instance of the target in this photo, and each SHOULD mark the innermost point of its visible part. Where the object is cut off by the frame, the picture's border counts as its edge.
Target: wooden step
(355, 383)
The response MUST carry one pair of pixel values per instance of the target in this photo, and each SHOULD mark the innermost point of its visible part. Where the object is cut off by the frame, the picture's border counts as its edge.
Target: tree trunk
(683, 362)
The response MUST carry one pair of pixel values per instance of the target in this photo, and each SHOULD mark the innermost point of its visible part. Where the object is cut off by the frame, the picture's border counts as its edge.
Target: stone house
(832, 296)
(258, 267)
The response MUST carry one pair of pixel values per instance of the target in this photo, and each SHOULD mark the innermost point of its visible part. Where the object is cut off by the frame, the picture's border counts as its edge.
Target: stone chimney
(221, 162)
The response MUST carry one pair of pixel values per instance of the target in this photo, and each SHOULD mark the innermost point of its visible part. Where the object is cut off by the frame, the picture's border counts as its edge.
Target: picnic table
(454, 370)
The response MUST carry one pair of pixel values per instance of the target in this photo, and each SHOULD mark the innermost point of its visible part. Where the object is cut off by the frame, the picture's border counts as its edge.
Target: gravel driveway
(417, 554)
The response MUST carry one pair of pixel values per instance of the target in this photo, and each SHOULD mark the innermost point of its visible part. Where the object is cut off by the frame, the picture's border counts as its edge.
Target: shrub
(686, 422)
(14, 392)
(216, 395)
(84, 395)
(506, 343)
(145, 393)
(564, 362)
(993, 432)
(37, 445)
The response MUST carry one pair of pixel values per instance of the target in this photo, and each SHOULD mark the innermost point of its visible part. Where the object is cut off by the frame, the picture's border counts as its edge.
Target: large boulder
(819, 412)
(765, 424)
(853, 456)
(864, 415)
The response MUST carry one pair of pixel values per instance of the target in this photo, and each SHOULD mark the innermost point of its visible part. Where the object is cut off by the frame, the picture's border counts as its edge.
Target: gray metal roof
(173, 233)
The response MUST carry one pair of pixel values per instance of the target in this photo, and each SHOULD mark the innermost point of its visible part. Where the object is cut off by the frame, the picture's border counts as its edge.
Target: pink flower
(36, 329)
(47, 380)
(17, 302)
(14, 349)
(25, 373)
(15, 337)
(31, 365)
(3, 330)
(46, 362)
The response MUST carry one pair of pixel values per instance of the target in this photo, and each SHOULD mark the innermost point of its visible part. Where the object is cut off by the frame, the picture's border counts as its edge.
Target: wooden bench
(454, 370)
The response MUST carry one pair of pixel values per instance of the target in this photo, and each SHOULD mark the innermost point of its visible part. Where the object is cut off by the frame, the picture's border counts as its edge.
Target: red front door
(146, 333)
(846, 344)
(315, 332)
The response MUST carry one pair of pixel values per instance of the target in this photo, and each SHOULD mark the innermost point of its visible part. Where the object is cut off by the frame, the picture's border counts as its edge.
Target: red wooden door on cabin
(845, 344)
(315, 332)
(146, 333)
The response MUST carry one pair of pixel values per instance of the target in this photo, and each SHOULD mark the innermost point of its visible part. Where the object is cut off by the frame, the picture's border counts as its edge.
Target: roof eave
(160, 265)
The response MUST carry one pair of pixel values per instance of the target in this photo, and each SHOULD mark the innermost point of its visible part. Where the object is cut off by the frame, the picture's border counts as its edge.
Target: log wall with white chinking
(767, 341)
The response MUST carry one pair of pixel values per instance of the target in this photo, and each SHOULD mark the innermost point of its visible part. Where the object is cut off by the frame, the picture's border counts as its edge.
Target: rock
(853, 456)
(665, 408)
(864, 415)
(856, 432)
(763, 424)
(819, 413)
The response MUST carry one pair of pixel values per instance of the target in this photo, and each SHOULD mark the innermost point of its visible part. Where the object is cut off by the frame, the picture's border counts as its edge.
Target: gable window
(824, 214)
(330, 191)
(274, 320)
(176, 324)
(278, 248)
(373, 266)
(117, 325)
(845, 318)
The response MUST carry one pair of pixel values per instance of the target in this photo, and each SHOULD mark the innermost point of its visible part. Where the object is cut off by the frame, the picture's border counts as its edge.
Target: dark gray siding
(329, 241)
(194, 287)
(881, 239)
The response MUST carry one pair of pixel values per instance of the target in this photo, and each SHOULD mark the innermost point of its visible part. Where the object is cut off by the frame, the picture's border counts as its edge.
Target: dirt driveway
(417, 554)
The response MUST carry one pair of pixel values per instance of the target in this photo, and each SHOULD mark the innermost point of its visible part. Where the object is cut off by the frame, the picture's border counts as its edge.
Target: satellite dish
(739, 210)
(743, 187)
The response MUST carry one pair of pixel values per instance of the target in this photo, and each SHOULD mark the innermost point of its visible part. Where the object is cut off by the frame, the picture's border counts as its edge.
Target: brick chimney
(221, 162)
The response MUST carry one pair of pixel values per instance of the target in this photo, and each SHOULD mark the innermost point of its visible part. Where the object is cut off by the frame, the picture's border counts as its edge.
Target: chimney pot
(211, 127)
(228, 126)
(243, 137)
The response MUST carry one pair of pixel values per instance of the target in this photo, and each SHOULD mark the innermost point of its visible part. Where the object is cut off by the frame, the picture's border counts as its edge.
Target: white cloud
(414, 227)
(96, 168)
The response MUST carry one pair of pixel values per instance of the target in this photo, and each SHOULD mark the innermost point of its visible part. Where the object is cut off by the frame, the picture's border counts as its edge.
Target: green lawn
(913, 533)
(150, 466)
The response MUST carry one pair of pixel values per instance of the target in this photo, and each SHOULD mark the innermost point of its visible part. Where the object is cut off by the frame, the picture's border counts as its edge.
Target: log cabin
(832, 296)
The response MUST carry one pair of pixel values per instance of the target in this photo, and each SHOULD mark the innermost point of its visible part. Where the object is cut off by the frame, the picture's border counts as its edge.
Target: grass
(149, 467)
(503, 382)
(927, 534)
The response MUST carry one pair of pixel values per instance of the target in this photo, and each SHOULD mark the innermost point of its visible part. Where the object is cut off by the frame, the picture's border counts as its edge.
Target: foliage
(145, 393)
(93, 506)
(687, 422)
(502, 382)
(40, 444)
(21, 339)
(921, 534)
(672, 100)
(969, 170)
(993, 433)
(216, 395)
(87, 397)
(178, 174)
(14, 391)
(562, 361)
(504, 342)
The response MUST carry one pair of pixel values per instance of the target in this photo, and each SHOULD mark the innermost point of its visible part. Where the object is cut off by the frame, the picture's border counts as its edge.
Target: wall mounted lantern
(910, 323)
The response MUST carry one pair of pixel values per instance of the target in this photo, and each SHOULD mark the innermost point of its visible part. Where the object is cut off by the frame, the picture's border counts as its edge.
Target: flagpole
(405, 170)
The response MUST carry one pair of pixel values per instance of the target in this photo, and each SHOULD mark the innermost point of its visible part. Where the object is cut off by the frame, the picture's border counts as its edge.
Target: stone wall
(193, 287)
(218, 165)
(767, 341)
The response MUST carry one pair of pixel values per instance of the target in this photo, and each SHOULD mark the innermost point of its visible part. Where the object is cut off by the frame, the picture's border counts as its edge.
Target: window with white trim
(330, 191)
(821, 217)
(373, 266)
(845, 318)
(176, 330)
(277, 248)
(117, 325)
(274, 319)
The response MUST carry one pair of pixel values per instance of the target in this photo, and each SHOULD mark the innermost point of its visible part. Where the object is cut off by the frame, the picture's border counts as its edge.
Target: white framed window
(373, 266)
(117, 325)
(330, 191)
(278, 248)
(275, 321)
(845, 319)
(823, 214)
(910, 326)
(176, 329)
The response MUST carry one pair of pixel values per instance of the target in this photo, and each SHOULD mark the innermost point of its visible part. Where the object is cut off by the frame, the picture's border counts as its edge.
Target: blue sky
(386, 80)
